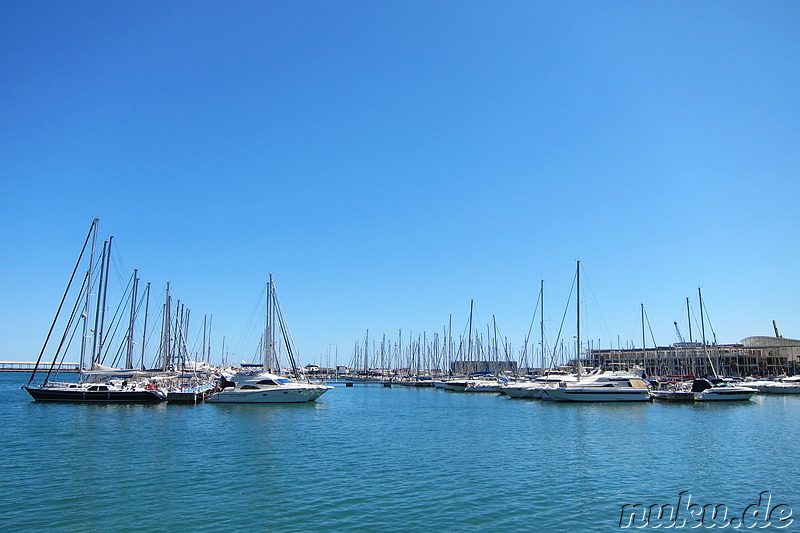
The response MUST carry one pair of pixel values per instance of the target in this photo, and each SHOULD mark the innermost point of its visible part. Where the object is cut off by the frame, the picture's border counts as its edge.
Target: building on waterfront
(753, 356)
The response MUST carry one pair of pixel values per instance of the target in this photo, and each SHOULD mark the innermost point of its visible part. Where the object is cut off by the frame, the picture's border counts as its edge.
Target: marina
(535, 261)
(378, 457)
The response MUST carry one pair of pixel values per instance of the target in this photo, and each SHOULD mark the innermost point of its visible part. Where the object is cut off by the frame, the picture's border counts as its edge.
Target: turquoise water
(376, 459)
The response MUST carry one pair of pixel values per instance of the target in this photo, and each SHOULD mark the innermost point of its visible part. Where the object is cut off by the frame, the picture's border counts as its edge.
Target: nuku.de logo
(686, 514)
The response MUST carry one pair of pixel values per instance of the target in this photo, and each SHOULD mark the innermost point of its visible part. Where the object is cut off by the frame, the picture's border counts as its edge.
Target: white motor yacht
(264, 387)
(717, 389)
(602, 389)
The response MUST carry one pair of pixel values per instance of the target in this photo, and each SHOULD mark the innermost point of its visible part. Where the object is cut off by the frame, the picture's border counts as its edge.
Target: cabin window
(249, 387)
(267, 382)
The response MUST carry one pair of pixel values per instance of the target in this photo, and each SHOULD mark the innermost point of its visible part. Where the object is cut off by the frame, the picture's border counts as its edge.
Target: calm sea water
(369, 458)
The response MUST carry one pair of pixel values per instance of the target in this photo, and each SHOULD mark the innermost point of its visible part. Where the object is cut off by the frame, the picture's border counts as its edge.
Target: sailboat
(96, 383)
(606, 387)
(709, 389)
(715, 388)
(265, 386)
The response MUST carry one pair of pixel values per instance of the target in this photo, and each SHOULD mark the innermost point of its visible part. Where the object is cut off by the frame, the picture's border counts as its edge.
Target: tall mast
(269, 331)
(541, 321)
(101, 331)
(208, 348)
(643, 337)
(449, 342)
(87, 306)
(202, 357)
(165, 333)
(146, 311)
(496, 358)
(129, 354)
(469, 341)
(703, 330)
(98, 312)
(689, 318)
(578, 306)
(366, 354)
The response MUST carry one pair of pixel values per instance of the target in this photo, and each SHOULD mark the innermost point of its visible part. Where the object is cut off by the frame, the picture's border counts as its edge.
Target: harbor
(108, 370)
(380, 267)
(370, 458)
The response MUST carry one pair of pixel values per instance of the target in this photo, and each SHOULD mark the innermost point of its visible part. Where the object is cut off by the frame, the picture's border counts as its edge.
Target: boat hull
(281, 395)
(672, 396)
(597, 394)
(44, 394)
(723, 396)
(534, 393)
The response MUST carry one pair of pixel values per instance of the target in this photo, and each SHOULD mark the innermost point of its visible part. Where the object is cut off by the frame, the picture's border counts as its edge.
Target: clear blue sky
(390, 161)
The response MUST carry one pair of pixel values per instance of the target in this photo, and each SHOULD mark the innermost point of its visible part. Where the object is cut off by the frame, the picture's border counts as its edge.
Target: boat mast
(98, 312)
(208, 348)
(165, 333)
(578, 306)
(541, 321)
(146, 311)
(92, 228)
(87, 305)
(449, 343)
(703, 329)
(269, 331)
(469, 341)
(366, 355)
(644, 346)
(129, 353)
(204, 340)
(101, 331)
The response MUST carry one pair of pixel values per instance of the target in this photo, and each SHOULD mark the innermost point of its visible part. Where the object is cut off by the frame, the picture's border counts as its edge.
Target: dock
(28, 366)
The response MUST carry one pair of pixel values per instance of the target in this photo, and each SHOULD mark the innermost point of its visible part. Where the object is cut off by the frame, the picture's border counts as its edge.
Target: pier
(28, 366)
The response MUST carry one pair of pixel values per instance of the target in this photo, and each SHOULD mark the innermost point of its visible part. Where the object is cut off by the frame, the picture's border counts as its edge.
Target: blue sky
(388, 162)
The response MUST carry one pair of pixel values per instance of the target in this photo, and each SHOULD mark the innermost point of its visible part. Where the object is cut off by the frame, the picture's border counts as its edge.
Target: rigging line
(115, 321)
(118, 356)
(195, 342)
(290, 345)
(696, 323)
(705, 308)
(72, 317)
(69, 343)
(595, 305)
(248, 331)
(92, 228)
(530, 329)
(561, 327)
(156, 324)
(647, 319)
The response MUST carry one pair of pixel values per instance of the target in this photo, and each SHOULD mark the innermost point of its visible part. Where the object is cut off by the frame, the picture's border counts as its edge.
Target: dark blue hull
(78, 395)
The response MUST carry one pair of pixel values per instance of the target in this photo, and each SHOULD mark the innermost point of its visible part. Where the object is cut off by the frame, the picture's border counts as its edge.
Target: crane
(678, 331)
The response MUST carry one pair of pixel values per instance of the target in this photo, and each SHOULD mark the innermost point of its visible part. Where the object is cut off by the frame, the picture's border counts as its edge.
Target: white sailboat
(265, 386)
